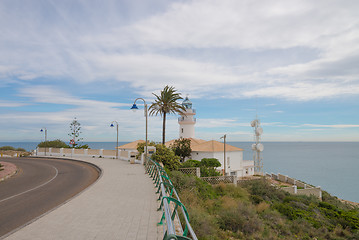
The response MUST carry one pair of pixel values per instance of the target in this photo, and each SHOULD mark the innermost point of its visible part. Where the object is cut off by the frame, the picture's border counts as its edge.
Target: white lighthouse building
(187, 120)
(235, 165)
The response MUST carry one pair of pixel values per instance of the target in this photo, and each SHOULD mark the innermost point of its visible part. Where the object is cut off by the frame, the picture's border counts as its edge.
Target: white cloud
(331, 126)
(304, 91)
(9, 104)
(134, 51)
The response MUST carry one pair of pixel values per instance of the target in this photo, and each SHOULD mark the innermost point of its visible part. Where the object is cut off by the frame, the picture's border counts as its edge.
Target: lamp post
(224, 148)
(42, 130)
(117, 136)
(134, 108)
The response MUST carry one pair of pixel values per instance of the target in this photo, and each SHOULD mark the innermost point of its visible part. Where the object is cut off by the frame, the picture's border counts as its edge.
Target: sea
(334, 166)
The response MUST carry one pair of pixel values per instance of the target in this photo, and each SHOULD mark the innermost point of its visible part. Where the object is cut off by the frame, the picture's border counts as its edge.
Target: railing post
(198, 172)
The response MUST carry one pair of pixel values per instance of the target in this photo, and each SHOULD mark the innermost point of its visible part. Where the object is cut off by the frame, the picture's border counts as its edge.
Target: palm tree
(165, 104)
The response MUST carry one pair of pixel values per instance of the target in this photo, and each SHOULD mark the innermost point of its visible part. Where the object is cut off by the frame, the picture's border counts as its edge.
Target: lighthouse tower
(187, 120)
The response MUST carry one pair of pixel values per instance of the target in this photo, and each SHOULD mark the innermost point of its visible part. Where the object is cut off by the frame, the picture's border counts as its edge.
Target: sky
(294, 64)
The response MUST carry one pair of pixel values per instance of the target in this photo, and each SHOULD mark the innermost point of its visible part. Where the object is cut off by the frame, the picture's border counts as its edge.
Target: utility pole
(224, 153)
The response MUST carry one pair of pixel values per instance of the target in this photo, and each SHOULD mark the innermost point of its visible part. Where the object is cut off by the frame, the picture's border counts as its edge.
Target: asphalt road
(39, 186)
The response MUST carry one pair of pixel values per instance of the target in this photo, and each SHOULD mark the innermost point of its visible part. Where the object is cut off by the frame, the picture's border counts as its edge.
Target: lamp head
(111, 125)
(41, 130)
(134, 107)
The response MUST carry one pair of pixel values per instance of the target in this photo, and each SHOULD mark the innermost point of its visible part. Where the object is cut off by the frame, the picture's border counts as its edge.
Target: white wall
(234, 158)
(188, 130)
(187, 122)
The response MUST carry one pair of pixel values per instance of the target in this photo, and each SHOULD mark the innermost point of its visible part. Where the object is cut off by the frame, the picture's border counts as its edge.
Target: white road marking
(41, 185)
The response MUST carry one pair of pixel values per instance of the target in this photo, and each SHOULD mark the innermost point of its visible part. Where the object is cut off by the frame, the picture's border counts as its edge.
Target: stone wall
(298, 186)
(311, 191)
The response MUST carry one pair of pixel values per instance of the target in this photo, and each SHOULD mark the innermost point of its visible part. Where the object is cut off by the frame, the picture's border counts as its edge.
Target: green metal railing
(170, 204)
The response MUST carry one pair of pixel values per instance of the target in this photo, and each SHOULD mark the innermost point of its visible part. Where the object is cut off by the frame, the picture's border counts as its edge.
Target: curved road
(39, 186)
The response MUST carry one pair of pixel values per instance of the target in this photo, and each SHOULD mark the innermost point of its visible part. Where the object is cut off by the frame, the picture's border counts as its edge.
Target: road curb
(10, 174)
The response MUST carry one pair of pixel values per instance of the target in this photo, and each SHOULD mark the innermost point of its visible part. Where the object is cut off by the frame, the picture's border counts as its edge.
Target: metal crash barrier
(170, 204)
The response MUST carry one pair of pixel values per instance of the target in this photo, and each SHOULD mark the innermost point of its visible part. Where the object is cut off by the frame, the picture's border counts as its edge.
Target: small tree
(208, 167)
(167, 157)
(75, 131)
(182, 148)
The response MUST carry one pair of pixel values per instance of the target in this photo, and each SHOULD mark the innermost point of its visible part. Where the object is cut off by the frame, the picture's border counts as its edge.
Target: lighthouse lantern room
(187, 120)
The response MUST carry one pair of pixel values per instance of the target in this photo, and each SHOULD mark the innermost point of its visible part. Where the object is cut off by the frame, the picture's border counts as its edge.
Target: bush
(167, 157)
(21, 149)
(261, 189)
(5, 148)
(200, 188)
(191, 163)
(210, 162)
(208, 167)
(241, 218)
(54, 144)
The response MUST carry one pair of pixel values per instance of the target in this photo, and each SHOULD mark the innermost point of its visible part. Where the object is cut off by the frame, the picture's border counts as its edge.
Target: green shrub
(191, 163)
(167, 157)
(262, 189)
(21, 149)
(210, 162)
(241, 218)
(54, 144)
(232, 191)
(7, 148)
(204, 223)
(202, 189)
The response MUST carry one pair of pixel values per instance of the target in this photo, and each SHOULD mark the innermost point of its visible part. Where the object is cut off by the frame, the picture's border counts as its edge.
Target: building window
(182, 130)
(247, 171)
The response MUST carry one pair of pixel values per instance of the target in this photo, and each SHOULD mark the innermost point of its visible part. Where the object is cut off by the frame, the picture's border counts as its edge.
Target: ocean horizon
(331, 165)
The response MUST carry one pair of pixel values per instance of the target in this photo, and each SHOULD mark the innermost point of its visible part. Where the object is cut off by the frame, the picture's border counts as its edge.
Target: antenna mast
(257, 147)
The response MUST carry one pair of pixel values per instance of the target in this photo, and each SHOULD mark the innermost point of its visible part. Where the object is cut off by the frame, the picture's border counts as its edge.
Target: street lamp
(42, 130)
(117, 136)
(134, 108)
(224, 160)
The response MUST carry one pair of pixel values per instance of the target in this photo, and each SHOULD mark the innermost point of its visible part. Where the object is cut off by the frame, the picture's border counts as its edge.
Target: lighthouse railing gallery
(170, 204)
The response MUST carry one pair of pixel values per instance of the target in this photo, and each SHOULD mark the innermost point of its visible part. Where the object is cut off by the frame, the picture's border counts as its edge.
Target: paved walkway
(122, 204)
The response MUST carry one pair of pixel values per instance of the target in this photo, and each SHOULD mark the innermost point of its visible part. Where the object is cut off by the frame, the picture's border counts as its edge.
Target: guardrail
(170, 202)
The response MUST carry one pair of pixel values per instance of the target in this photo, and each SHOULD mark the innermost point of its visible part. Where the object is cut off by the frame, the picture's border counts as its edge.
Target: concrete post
(86, 152)
(101, 152)
(61, 152)
(234, 180)
(198, 172)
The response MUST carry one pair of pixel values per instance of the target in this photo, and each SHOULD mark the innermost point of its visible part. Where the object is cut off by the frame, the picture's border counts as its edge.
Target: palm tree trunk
(164, 129)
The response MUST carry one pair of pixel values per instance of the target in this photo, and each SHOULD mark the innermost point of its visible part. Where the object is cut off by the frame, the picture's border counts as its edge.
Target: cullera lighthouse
(187, 120)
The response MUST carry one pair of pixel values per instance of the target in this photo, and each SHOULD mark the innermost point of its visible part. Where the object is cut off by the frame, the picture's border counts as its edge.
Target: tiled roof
(200, 145)
(194, 142)
(131, 145)
(214, 146)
